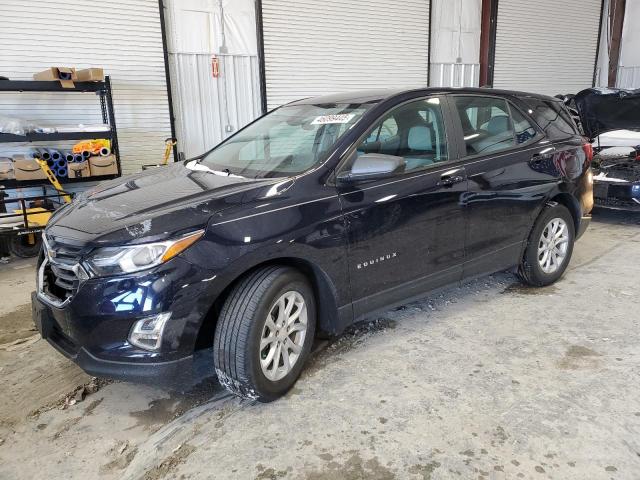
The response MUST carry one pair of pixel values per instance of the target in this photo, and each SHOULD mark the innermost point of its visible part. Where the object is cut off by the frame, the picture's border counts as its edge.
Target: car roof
(379, 95)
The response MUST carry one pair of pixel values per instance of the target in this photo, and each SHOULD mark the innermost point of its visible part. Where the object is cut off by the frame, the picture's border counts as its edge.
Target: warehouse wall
(208, 109)
(602, 65)
(546, 47)
(313, 48)
(629, 51)
(628, 75)
(455, 43)
(629, 62)
(123, 36)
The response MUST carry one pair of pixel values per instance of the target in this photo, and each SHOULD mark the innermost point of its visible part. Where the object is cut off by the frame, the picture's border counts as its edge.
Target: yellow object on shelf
(93, 146)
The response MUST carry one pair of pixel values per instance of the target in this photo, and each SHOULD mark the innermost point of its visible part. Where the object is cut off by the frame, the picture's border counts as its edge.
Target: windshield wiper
(199, 167)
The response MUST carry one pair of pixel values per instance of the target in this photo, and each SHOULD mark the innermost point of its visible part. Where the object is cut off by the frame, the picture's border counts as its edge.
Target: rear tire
(549, 247)
(264, 333)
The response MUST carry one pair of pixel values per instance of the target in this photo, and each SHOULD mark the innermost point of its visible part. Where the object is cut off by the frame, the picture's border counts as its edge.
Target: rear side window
(486, 124)
(552, 118)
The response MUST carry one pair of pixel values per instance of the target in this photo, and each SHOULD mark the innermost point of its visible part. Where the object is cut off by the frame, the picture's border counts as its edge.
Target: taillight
(588, 151)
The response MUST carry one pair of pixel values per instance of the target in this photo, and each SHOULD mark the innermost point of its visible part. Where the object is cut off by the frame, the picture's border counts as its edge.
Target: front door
(405, 232)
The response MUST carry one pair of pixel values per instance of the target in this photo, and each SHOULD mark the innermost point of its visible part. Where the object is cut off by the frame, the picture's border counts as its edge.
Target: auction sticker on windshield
(337, 118)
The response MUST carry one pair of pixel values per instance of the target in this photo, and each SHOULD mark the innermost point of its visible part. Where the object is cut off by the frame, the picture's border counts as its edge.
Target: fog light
(147, 333)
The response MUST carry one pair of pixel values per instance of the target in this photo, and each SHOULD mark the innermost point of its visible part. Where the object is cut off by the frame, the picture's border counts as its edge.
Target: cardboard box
(27, 169)
(103, 165)
(79, 169)
(65, 75)
(90, 75)
(6, 169)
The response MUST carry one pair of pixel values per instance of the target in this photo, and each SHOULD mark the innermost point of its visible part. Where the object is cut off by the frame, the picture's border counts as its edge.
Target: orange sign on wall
(215, 67)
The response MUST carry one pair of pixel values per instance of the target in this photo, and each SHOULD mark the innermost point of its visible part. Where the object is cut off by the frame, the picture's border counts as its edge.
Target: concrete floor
(491, 380)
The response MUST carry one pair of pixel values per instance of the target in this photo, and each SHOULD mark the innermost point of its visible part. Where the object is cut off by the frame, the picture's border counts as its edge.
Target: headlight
(133, 258)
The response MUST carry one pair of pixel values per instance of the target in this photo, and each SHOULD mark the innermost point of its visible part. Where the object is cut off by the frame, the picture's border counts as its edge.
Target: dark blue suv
(310, 218)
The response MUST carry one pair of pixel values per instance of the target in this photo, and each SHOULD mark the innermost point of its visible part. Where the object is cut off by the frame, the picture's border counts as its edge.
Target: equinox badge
(380, 259)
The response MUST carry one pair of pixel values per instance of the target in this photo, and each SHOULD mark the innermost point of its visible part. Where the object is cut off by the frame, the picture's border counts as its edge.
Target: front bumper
(155, 371)
(92, 328)
(619, 196)
(618, 193)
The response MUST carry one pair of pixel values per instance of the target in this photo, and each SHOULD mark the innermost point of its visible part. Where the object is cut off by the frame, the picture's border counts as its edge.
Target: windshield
(285, 142)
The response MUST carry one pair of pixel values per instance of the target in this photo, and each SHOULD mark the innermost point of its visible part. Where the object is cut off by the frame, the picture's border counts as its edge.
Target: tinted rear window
(489, 125)
(552, 118)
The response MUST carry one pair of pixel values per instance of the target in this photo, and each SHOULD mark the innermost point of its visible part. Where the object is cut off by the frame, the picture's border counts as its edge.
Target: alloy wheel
(283, 335)
(553, 245)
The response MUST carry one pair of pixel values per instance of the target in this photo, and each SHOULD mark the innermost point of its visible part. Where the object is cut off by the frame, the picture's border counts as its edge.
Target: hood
(607, 109)
(153, 205)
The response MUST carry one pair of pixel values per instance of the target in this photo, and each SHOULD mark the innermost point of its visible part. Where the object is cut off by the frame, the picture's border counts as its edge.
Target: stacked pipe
(60, 168)
(56, 160)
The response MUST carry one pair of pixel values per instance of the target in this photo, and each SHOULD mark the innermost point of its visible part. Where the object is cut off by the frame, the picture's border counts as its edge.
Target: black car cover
(605, 109)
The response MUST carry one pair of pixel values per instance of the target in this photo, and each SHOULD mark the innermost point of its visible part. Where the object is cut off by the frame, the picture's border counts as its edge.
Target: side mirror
(371, 166)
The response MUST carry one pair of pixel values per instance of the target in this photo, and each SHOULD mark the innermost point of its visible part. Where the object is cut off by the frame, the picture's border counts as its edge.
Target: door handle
(538, 158)
(450, 180)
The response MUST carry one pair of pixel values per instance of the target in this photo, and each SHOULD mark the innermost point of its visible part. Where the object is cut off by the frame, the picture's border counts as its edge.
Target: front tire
(549, 247)
(265, 333)
(25, 246)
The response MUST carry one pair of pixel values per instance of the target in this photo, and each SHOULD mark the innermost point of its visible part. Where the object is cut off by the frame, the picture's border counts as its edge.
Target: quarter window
(414, 131)
(523, 129)
(552, 118)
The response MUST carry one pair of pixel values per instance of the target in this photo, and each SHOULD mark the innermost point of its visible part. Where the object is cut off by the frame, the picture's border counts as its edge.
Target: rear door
(406, 233)
(506, 163)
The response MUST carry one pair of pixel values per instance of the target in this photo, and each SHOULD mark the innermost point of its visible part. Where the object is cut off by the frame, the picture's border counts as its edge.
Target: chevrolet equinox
(312, 217)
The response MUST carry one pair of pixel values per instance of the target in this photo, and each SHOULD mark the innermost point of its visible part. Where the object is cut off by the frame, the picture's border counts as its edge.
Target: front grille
(60, 279)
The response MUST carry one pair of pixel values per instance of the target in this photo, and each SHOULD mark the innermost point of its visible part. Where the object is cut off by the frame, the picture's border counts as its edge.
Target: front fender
(299, 235)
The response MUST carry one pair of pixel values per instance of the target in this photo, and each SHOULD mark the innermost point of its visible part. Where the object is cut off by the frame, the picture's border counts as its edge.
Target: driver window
(414, 131)
(384, 131)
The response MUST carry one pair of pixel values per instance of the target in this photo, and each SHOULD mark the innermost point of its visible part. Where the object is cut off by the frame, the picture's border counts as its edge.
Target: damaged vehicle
(311, 218)
(610, 118)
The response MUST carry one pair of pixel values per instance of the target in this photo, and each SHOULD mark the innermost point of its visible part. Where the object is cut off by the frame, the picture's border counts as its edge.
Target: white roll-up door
(547, 46)
(313, 48)
(202, 34)
(122, 36)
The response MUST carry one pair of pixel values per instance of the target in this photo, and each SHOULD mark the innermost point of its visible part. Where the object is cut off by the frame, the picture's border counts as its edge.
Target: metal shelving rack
(101, 89)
